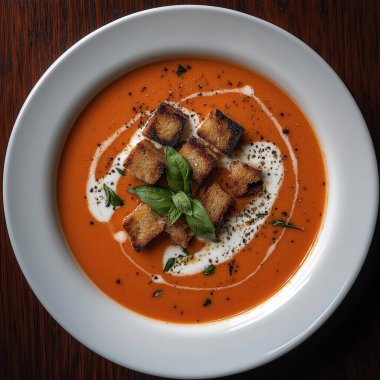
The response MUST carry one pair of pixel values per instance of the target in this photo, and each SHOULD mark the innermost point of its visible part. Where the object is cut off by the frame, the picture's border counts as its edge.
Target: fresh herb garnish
(121, 172)
(186, 251)
(173, 215)
(283, 224)
(158, 198)
(111, 197)
(169, 264)
(176, 202)
(157, 293)
(183, 203)
(209, 270)
(207, 302)
(200, 223)
(178, 171)
(181, 70)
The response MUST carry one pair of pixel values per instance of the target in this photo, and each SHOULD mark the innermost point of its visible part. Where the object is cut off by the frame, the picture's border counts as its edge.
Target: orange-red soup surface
(114, 270)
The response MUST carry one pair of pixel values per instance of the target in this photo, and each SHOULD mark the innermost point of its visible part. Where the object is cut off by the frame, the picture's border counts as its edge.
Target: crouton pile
(218, 135)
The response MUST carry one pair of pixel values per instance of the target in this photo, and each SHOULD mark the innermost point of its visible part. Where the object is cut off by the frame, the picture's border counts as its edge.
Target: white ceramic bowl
(189, 351)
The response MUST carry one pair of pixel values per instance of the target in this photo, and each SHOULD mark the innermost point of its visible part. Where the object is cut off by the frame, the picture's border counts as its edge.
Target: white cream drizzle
(239, 230)
(220, 251)
(120, 236)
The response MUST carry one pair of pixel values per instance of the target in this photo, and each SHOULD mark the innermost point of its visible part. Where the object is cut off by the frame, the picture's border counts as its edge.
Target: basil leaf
(169, 264)
(157, 293)
(178, 171)
(121, 172)
(183, 203)
(209, 270)
(112, 198)
(199, 222)
(181, 70)
(173, 215)
(158, 198)
(283, 224)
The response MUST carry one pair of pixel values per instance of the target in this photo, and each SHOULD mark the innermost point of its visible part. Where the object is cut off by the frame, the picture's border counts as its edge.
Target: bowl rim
(238, 366)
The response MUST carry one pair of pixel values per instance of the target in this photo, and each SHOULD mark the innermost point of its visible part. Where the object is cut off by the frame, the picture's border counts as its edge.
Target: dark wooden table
(33, 34)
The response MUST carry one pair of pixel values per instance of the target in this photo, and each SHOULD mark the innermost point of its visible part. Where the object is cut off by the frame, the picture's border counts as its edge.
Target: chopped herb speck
(157, 293)
(181, 70)
(209, 270)
(207, 303)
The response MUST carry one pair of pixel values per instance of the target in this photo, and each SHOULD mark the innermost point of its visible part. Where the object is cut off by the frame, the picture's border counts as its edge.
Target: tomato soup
(260, 246)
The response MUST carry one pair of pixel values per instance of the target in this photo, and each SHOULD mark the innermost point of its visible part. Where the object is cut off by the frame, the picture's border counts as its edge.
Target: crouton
(179, 233)
(166, 125)
(200, 158)
(216, 202)
(145, 162)
(142, 225)
(220, 131)
(245, 179)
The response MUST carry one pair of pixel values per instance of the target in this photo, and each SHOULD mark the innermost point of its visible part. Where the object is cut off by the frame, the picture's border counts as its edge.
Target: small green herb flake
(111, 197)
(261, 215)
(157, 293)
(181, 70)
(121, 172)
(209, 270)
(169, 264)
(207, 302)
(283, 224)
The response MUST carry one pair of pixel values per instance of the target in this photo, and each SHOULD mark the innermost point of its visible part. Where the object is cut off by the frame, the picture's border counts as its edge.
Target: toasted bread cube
(145, 162)
(220, 131)
(216, 202)
(179, 233)
(166, 125)
(142, 225)
(245, 179)
(200, 158)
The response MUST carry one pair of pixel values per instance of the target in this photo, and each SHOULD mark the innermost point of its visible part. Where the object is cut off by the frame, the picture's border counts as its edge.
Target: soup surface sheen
(253, 258)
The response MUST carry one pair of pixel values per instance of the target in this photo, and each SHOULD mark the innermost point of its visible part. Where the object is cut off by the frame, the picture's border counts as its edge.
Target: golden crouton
(179, 233)
(216, 202)
(145, 162)
(166, 125)
(245, 179)
(142, 225)
(220, 131)
(200, 158)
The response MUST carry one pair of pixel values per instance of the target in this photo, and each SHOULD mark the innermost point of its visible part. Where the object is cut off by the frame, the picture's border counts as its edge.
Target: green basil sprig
(175, 201)
(158, 198)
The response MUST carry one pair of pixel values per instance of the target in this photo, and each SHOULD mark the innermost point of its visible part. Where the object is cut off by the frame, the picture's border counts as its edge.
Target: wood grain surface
(33, 34)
